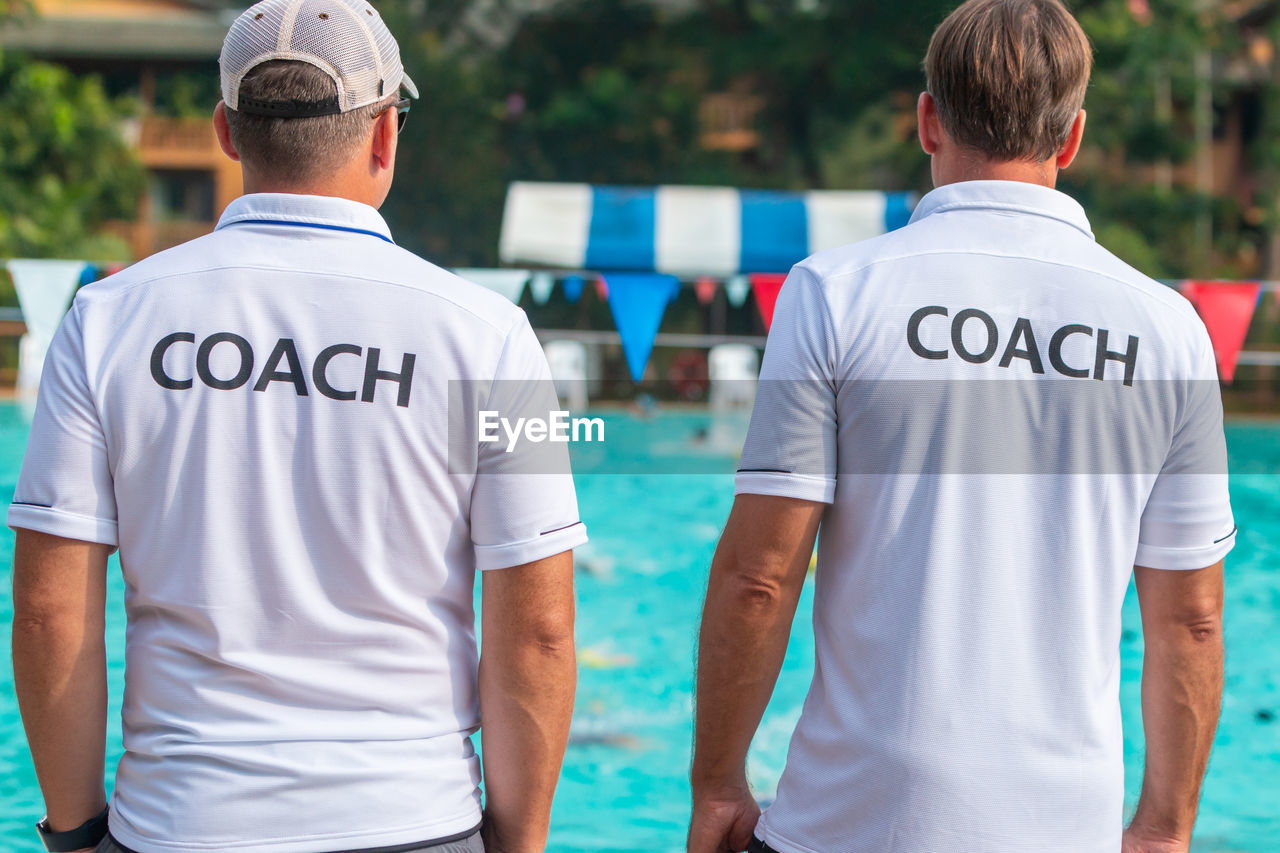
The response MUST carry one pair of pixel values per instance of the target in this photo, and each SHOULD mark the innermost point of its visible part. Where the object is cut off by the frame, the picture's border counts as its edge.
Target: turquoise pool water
(640, 589)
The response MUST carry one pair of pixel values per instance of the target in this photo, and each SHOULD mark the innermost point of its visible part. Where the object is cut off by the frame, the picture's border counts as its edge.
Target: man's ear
(1071, 147)
(927, 124)
(223, 131)
(385, 136)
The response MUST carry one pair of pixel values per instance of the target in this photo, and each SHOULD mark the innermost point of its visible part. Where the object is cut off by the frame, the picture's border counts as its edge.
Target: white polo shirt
(260, 420)
(1004, 419)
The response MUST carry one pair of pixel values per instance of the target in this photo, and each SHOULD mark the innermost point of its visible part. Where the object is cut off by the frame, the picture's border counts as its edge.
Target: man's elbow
(1204, 630)
(548, 637)
(39, 630)
(1196, 623)
(754, 593)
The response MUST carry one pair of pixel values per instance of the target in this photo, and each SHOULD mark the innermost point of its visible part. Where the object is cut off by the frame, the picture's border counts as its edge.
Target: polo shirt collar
(1013, 196)
(307, 211)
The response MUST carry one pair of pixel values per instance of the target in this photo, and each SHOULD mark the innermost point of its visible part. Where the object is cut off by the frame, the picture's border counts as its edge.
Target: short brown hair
(1009, 76)
(295, 150)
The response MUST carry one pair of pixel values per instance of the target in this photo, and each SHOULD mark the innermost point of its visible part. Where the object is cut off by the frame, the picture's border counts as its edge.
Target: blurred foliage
(610, 93)
(187, 94)
(64, 167)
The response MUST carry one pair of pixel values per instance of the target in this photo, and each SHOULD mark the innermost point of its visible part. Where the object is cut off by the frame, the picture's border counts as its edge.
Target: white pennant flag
(44, 292)
(737, 289)
(541, 286)
(510, 283)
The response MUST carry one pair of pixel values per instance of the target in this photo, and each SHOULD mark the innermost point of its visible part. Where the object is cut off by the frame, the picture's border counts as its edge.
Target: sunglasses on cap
(402, 112)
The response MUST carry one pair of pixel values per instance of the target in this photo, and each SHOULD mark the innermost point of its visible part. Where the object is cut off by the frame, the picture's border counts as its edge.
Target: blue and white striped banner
(687, 231)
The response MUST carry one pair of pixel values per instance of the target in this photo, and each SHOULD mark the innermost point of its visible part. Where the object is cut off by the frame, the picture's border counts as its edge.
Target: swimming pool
(640, 588)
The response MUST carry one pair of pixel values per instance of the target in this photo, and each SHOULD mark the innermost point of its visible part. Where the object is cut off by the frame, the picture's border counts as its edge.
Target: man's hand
(1181, 692)
(756, 578)
(723, 822)
(60, 669)
(528, 673)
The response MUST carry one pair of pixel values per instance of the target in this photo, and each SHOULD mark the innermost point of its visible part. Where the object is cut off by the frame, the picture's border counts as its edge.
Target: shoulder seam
(1172, 304)
(127, 288)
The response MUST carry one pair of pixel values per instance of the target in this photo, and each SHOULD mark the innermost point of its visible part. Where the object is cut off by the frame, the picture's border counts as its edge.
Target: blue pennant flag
(573, 287)
(638, 301)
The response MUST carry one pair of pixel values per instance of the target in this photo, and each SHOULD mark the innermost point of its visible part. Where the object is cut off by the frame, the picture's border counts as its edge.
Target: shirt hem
(1183, 559)
(68, 525)
(423, 833)
(780, 843)
(492, 557)
(784, 485)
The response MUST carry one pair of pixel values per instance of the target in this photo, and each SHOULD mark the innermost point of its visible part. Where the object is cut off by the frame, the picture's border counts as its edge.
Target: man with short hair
(263, 422)
(992, 420)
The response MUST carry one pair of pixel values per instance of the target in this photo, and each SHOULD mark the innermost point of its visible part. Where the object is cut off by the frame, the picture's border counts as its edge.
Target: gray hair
(296, 150)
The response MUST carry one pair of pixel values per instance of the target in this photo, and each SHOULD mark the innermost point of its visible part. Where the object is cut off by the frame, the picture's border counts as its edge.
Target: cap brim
(408, 86)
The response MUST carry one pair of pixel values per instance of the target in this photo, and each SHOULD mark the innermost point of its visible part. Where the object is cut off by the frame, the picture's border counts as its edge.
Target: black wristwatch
(87, 834)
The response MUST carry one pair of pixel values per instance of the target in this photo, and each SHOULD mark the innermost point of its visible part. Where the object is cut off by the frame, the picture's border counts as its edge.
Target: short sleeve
(66, 487)
(1187, 521)
(523, 504)
(790, 449)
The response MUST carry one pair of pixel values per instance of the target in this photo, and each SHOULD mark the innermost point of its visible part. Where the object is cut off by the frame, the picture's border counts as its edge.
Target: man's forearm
(526, 701)
(746, 624)
(1181, 694)
(60, 675)
(60, 670)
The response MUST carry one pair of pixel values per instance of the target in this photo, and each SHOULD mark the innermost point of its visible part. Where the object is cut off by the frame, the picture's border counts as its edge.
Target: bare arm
(756, 579)
(60, 669)
(528, 674)
(1181, 693)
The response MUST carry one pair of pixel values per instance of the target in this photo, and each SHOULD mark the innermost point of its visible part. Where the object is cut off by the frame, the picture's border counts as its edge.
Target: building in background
(164, 53)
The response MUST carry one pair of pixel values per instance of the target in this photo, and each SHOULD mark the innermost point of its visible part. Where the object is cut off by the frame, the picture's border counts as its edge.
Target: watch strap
(87, 834)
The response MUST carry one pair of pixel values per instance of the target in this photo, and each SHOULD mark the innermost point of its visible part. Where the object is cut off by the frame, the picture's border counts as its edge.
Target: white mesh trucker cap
(346, 39)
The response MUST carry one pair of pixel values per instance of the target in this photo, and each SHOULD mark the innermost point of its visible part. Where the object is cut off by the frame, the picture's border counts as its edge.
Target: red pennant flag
(705, 289)
(765, 286)
(602, 289)
(1227, 309)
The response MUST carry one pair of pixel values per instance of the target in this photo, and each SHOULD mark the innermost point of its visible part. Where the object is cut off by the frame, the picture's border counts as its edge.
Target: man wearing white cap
(265, 422)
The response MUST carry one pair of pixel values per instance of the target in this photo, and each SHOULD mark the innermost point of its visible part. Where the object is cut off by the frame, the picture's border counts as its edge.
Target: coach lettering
(284, 364)
(913, 332)
(1022, 329)
(372, 374)
(284, 349)
(157, 362)
(1055, 350)
(1129, 358)
(319, 372)
(1021, 344)
(206, 350)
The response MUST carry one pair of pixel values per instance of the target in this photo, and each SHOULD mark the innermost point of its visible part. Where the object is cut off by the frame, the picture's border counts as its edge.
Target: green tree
(65, 168)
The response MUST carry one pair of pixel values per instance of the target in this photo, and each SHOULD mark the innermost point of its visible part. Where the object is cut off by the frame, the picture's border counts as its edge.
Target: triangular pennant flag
(602, 289)
(573, 285)
(638, 301)
(1226, 309)
(44, 292)
(541, 286)
(509, 283)
(765, 286)
(705, 289)
(737, 289)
